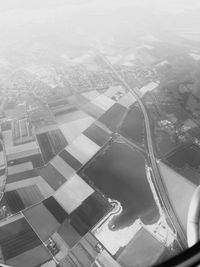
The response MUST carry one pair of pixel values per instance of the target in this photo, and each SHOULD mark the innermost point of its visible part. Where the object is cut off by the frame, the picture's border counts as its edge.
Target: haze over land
(35, 30)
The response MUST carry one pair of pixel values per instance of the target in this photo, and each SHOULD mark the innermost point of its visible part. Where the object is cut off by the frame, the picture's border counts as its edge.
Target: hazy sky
(24, 23)
(173, 5)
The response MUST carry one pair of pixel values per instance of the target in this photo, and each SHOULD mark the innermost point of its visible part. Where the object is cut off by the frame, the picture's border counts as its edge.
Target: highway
(157, 178)
(4, 177)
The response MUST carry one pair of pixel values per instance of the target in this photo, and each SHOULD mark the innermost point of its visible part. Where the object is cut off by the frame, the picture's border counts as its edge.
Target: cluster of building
(77, 77)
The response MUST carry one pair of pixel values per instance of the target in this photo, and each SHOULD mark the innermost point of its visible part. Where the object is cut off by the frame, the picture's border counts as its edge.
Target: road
(4, 177)
(157, 178)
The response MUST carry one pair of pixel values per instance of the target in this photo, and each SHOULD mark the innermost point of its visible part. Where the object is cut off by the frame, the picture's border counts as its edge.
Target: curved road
(157, 178)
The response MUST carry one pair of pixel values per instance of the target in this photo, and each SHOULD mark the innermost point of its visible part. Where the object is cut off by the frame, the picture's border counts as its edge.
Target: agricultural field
(51, 143)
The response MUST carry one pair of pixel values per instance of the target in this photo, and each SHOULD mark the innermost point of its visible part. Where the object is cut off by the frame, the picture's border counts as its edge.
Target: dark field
(119, 173)
(189, 155)
(97, 134)
(17, 238)
(45, 147)
(51, 143)
(112, 117)
(57, 140)
(133, 126)
(69, 159)
(86, 216)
